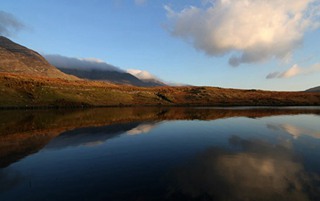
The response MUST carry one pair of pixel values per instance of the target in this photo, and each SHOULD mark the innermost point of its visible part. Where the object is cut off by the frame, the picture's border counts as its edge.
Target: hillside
(314, 89)
(18, 59)
(110, 76)
(28, 80)
(94, 69)
(21, 91)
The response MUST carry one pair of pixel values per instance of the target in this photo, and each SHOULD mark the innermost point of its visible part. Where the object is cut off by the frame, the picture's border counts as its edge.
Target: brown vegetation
(29, 91)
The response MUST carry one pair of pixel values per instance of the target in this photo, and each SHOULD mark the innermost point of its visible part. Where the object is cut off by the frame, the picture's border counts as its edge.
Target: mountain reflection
(261, 171)
(90, 136)
(25, 132)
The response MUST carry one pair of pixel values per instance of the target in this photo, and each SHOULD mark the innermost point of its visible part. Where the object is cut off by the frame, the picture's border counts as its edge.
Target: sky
(247, 44)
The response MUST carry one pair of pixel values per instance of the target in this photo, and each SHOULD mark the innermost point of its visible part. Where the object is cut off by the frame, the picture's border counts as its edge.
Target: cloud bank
(295, 70)
(9, 24)
(141, 74)
(253, 31)
(80, 63)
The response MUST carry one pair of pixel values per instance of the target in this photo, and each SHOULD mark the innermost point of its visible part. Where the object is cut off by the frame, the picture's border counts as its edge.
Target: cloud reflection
(142, 128)
(262, 171)
(295, 131)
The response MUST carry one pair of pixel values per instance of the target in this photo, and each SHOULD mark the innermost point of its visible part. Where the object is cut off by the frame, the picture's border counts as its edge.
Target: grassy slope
(21, 91)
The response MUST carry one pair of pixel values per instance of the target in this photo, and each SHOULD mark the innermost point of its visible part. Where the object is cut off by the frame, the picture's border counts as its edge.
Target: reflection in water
(142, 128)
(91, 136)
(92, 155)
(26, 132)
(295, 131)
(261, 171)
(9, 179)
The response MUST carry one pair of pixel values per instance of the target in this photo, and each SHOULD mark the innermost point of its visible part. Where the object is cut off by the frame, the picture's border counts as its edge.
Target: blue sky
(188, 42)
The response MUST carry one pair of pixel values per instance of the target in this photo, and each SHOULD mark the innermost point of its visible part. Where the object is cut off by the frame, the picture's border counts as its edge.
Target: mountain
(27, 80)
(153, 82)
(95, 69)
(314, 89)
(146, 77)
(18, 59)
(117, 77)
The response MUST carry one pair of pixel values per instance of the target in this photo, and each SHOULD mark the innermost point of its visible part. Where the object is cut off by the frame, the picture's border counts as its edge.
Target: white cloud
(9, 24)
(92, 60)
(295, 70)
(252, 30)
(80, 63)
(141, 74)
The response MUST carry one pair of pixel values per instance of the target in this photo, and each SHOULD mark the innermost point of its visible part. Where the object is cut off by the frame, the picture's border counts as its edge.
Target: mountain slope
(18, 59)
(314, 89)
(96, 69)
(153, 82)
(110, 76)
(146, 77)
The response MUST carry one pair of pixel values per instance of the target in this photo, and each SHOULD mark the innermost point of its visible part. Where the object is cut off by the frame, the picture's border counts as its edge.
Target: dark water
(160, 154)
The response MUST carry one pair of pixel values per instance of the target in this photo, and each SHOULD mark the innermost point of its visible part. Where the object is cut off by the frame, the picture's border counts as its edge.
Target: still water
(160, 154)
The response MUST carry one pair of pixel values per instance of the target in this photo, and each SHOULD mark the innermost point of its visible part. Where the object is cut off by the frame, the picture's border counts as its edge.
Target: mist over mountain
(96, 69)
(146, 77)
(85, 64)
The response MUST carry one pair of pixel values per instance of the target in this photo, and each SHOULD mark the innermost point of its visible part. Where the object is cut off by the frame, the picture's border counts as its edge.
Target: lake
(160, 154)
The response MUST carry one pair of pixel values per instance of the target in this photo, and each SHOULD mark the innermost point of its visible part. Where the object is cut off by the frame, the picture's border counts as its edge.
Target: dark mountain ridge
(109, 76)
(314, 89)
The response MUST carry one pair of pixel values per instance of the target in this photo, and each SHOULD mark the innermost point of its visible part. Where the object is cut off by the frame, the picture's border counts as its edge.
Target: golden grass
(23, 90)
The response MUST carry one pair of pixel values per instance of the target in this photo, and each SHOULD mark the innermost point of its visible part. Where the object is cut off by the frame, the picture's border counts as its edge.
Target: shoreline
(3, 108)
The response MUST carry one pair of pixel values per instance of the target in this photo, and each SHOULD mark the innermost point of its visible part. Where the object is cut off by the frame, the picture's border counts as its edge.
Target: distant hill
(153, 82)
(146, 77)
(95, 69)
(18, 59)
(314, 89)
(117, 77)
